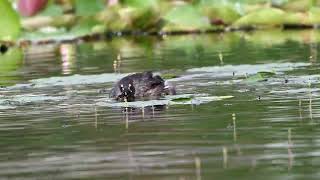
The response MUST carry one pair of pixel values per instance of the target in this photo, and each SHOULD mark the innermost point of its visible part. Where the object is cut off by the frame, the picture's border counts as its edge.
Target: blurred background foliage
(68, 19)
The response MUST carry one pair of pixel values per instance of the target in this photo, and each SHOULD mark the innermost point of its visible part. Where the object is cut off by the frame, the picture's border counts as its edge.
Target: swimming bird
(141, 85)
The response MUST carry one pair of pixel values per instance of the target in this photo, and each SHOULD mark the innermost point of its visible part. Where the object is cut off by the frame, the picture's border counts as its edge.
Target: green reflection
(10, 62)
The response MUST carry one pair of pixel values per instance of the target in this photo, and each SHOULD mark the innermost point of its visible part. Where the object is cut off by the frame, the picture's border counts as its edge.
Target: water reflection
(10, 63)
(68, 57)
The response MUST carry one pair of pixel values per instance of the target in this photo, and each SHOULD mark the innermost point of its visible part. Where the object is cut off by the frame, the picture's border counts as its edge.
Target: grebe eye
(130, 87)
(121, 87)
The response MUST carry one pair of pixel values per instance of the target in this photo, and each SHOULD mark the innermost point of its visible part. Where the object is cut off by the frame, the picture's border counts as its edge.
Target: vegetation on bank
(70, 19)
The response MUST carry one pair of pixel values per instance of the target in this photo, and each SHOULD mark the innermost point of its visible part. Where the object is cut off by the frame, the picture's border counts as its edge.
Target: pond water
(56, 121)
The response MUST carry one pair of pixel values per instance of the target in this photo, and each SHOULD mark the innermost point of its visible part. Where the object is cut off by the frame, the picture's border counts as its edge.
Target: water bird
(141, 85)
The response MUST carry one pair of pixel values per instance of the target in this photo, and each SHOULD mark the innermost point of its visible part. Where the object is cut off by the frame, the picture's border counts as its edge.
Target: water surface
(55, 124)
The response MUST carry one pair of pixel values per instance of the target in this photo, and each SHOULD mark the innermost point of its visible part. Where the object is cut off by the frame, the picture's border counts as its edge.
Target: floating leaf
(213, 98)
(220, 11)
(314, 15)
(297, 5)
(52, 10)
(141, 3)
(112, 19)
(87, 26)
(9, 22)
(84, 26)
(296, 19)
(76, 80)
(57, 34)
(260, 76)
(266, 74)
(89, 7)
(185, 18)
(263, 17)
(139, 18)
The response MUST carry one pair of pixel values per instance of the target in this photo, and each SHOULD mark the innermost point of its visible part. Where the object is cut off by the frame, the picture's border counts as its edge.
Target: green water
(53, 126)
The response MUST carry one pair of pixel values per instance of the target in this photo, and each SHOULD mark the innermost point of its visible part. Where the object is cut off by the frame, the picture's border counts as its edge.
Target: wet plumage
(140, 85)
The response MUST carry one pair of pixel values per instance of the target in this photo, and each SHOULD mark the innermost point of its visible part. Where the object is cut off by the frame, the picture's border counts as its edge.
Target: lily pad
(136, 18)
(185, 18)
(9, 22)
(262, 17)
(298, 18)
(296, 5)
(87, 26)
(314, 15)
(260, 76)
(223, 11)
(76, 80)
(141, 3)
(52, 10)
(88, 8)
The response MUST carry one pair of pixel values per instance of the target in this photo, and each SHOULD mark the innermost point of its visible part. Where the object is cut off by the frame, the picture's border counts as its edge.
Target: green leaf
(9, 22)
(141, 3)
(212, 98)
(52, 10)
(296, 18)
(182, 99)
(86, 27)
(297, 5)
(263, 17)
(314, 15)
(59, 34)
(266, 74)
(221, 10)
(260, 76)
(89, 7)
(185, 17)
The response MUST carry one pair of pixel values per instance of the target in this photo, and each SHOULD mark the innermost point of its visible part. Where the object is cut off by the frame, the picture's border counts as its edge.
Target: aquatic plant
(58, 20)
